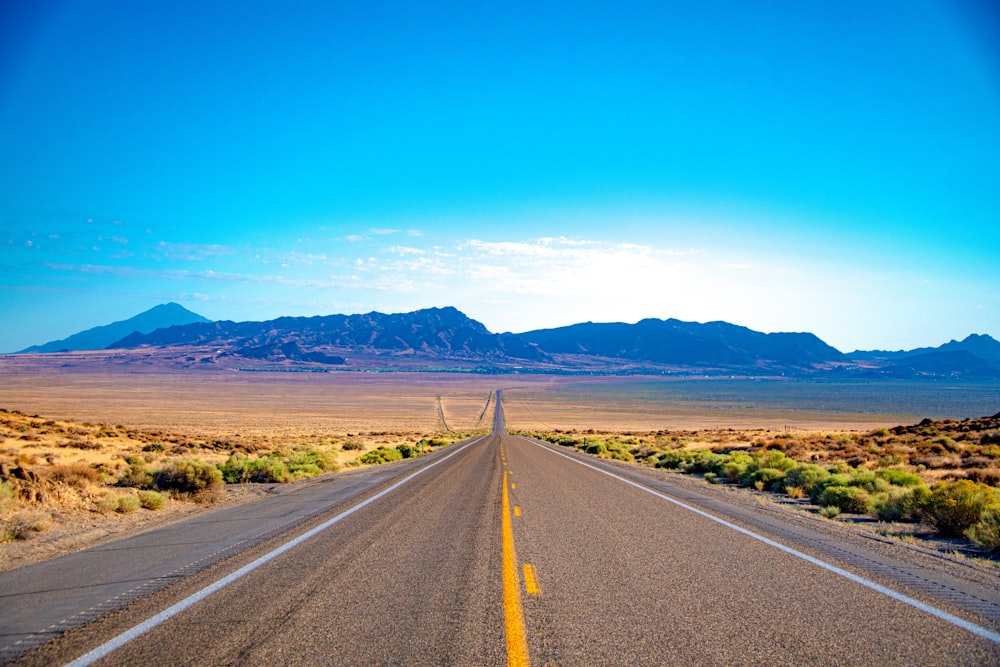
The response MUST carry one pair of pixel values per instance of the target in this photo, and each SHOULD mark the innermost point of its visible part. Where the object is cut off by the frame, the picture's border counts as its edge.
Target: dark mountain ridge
(675, 342)
(433, 331)
(980, 345)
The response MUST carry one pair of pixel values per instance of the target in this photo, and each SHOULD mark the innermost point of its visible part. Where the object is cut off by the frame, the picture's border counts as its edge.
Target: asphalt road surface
(501, 551)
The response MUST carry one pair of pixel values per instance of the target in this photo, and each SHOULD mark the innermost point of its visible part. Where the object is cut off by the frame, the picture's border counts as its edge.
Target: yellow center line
(513, 612)
(531, 580)
(517, 511)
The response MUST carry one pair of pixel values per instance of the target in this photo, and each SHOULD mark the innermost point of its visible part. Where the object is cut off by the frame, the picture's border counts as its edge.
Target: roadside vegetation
(944, 474)
(51, 469)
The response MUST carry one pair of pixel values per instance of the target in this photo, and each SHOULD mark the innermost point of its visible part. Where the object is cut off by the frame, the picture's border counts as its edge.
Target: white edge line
(977, 630)
(150, 623)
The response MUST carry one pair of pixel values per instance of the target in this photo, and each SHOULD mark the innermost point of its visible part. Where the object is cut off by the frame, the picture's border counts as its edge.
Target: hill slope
(99, 338)
(717, 344)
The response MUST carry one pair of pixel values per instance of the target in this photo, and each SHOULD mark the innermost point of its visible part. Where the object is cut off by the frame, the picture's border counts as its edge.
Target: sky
(830, 166)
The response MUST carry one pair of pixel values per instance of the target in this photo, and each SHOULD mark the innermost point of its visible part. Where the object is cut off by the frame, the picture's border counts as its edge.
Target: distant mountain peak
(98, 338)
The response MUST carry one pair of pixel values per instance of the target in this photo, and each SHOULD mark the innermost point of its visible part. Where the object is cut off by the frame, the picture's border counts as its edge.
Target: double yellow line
(513, 612)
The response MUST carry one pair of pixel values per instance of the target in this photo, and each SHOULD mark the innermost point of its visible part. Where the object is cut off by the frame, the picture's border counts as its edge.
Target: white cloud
(405, 250)
(294, 258)
(192, 252)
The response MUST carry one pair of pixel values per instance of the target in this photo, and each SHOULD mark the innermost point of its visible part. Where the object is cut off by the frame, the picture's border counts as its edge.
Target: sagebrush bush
(381, 455)
(309, 462)
(672, 460)
(805, 476)
(898, 504)
(120, 504)
(986, 531)
(854, 499)
(188, 476)
(954, 507)
(833, 479)
(704, 460)
(80, 475)
(767, 478)
(898, 477)
(239, 469)
(870, 482)
(736, 466)
(830, 511)
(151, 500)
(136, 477)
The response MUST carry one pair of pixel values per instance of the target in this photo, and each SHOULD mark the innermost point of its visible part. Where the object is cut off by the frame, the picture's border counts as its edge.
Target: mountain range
(445, 338)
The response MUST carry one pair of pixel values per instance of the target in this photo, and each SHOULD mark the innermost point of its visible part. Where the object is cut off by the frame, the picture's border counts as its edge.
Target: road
(501, 551)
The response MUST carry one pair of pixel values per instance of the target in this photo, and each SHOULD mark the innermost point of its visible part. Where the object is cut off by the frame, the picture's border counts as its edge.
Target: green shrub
(351, 446)
(151, 500)
(830, 511)
(371, 458)
(311, 462)
(672, 460)
(869, 481)
(391, 454)
(596, 448)
(381, 455)
(898, 504)
(773, 458)
(188, 476)
(120, 504)
(136, 477)
(805, 476)
(898, 477)
(153, 447)
(239, 469)
(767, 478)
(704, 460)
(832, 479)
(986, 532)
(847, 498)
(736, 467)
(954, 507)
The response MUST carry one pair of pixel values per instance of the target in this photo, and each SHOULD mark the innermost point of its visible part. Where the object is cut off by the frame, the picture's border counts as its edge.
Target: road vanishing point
(501, 550)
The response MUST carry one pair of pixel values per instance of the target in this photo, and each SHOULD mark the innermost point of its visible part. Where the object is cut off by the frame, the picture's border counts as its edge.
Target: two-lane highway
(506, 551)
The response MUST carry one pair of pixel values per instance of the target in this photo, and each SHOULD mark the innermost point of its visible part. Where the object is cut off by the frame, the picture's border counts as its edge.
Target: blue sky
(789, 166)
